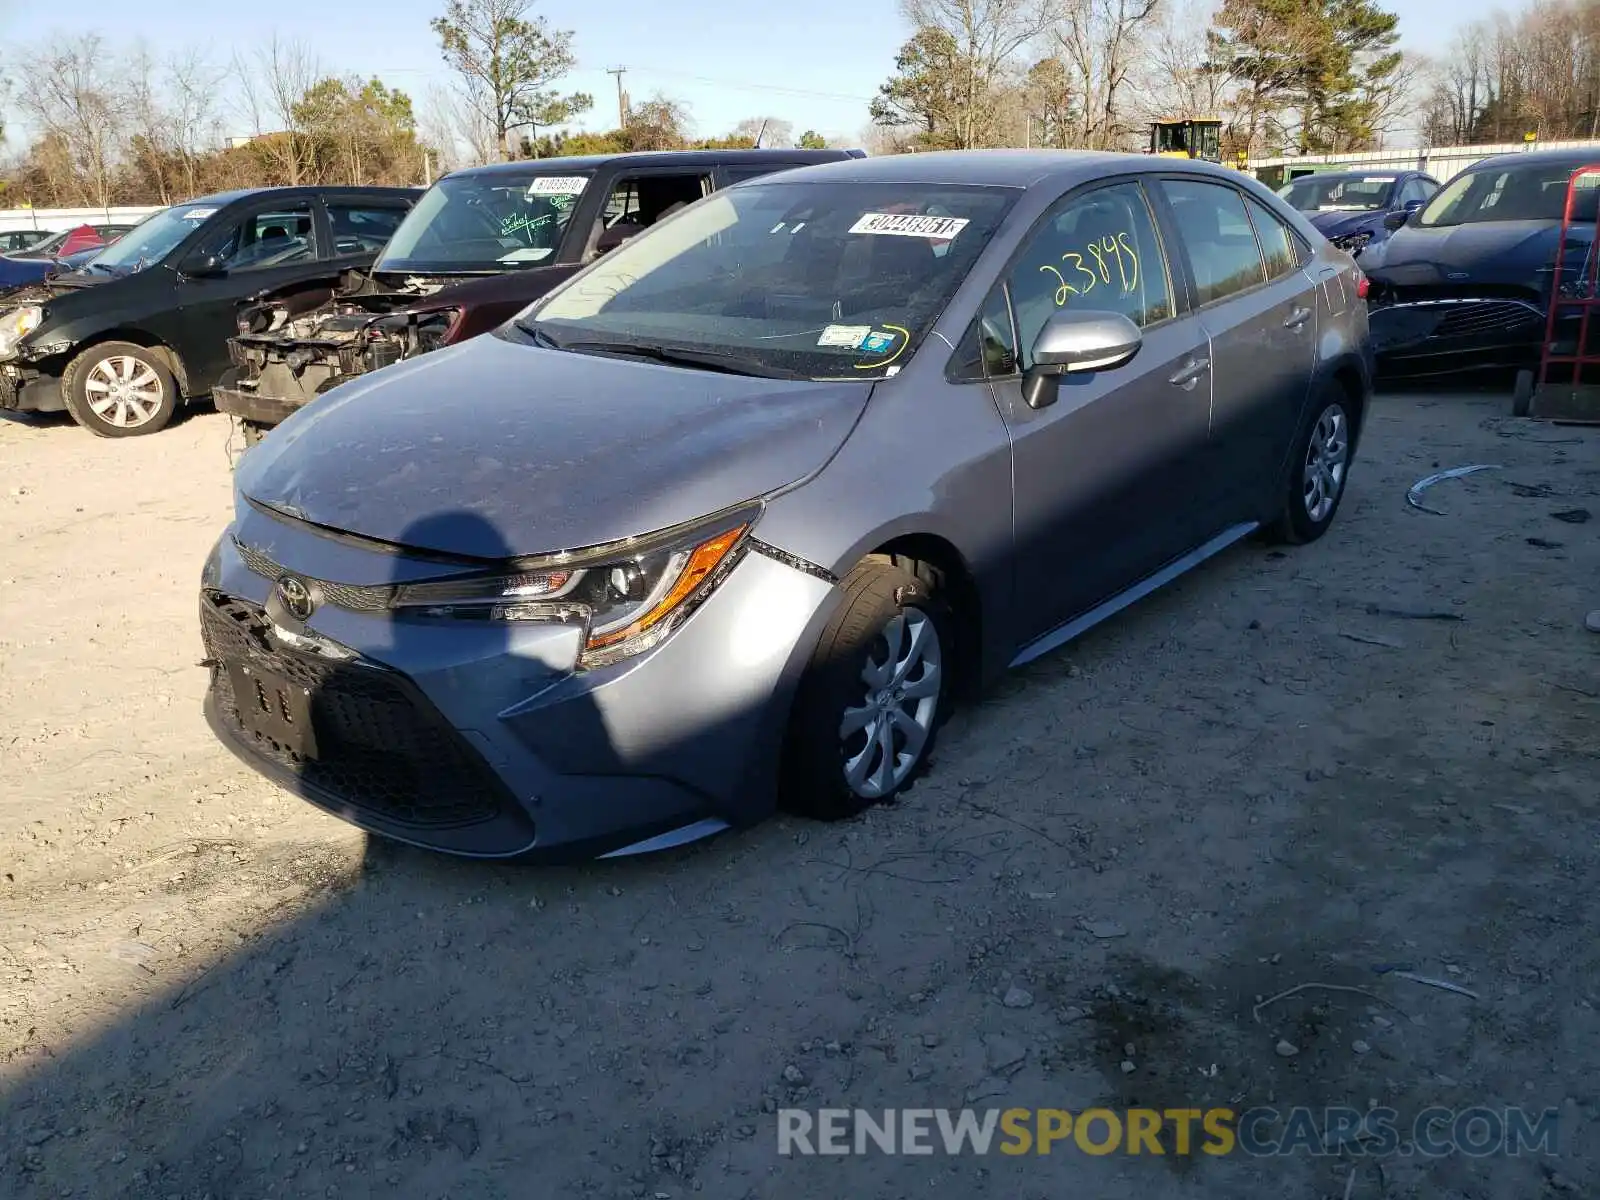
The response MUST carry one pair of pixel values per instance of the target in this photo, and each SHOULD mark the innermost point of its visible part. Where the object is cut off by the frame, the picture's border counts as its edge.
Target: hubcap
(885, 734)
(1326, 459)
(123, 391)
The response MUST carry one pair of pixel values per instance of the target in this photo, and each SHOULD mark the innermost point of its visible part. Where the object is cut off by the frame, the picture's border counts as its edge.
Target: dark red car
(480, 246)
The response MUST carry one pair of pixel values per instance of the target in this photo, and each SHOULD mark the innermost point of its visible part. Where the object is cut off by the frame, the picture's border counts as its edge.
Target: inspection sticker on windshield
(848, 336)
(910, 225)
(199, 214)
(558, 185)
(877, 343)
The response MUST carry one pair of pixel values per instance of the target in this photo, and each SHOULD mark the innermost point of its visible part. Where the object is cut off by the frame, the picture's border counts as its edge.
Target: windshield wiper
(705, 360)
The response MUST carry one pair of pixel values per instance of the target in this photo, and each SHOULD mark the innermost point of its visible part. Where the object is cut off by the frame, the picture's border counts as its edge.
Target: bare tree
(1177, 77)
(271, 87)
(193, 81)
(1102, 40)
(770, 131)
(988, 36)
(68, 101)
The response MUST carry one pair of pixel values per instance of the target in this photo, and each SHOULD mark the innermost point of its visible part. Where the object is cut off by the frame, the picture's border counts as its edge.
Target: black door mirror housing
(1401, 217)
(204, 266)
(1074, 343)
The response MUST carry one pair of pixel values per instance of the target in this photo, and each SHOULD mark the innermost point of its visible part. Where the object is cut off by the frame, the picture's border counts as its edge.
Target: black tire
(1522, 394)
(1295, 523)
(84, 374)
(816, 752)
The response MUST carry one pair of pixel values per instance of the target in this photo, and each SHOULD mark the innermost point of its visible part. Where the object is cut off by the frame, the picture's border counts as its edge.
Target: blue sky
(815, 64)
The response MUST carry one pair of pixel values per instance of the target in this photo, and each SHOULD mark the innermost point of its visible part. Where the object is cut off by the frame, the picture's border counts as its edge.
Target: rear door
(269, 244)
(1109, 480)
(1259, 310)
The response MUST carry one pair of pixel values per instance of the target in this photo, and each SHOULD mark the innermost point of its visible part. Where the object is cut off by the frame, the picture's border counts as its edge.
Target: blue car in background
(1350, 208)
(45, 258)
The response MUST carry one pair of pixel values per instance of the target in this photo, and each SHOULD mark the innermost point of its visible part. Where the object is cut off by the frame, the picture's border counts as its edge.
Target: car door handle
(1191, 372)
(1297, 318)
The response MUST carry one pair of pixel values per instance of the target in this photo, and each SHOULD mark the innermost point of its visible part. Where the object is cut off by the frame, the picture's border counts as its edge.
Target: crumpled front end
(283, 359)
(1436, 331)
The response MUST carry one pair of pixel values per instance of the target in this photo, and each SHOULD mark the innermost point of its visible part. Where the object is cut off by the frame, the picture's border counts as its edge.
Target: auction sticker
(558, 185)
(909, 225)
(849, 336)
(199, 214)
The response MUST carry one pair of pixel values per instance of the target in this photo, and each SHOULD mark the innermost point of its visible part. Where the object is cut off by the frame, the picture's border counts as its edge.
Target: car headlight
(17, 324)
(627, 595)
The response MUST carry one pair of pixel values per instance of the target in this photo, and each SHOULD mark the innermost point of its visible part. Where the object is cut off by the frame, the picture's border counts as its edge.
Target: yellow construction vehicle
(1187, 137)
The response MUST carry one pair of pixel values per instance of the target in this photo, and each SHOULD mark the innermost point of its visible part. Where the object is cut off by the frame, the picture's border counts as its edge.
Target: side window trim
(1255, 212)
(1255, 235)
(953, 371)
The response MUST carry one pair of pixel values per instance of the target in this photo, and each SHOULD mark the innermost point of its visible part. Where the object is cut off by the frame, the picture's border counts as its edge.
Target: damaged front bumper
(26, 389)
(1444, 334)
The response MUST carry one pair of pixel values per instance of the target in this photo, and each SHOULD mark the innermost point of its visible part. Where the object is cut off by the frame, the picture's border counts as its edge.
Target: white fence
(1441, 162)
(54, 220)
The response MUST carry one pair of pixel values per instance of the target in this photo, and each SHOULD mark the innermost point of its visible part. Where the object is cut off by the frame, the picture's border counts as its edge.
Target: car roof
(656, 158)
(218, 199)
(1005, 168)
(1569, 157)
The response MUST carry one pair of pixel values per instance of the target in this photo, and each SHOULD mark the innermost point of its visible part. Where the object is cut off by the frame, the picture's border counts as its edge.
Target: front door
(265, 247)
(1260, 311)
(1109, 480)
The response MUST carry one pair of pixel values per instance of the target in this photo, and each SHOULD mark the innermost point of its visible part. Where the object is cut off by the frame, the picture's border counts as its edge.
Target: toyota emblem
(296, 597)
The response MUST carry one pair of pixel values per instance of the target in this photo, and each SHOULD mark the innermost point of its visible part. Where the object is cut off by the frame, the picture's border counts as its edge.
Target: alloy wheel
(885, 734)
(123, 391)
(1327, 458)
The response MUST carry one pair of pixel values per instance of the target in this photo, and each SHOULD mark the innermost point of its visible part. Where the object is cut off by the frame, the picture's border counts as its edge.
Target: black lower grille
(1485, 317)
(379, 745)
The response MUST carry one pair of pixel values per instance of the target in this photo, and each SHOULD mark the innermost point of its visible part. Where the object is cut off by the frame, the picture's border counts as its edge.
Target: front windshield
(1531, 193)
(1339, 193)
(155, 237)
(497, 221)
(804, 279)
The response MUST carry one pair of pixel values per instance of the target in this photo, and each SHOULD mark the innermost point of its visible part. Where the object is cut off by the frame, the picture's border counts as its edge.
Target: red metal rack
(1573, 395)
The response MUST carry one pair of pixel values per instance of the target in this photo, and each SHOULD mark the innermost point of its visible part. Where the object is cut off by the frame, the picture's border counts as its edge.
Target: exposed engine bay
(292, 348)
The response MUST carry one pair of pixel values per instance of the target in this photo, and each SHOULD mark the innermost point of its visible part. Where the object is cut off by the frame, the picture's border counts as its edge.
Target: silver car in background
(734, 515)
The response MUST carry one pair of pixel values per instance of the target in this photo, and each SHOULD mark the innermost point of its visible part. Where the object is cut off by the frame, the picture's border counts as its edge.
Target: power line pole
(622, 97)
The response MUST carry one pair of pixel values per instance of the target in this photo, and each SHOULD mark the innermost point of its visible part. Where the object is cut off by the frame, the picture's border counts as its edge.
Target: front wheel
(118, 389)
(1318, 468)
(873, 697)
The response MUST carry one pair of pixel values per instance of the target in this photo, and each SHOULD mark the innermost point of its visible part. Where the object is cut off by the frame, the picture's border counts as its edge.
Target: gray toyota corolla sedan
(732, 517)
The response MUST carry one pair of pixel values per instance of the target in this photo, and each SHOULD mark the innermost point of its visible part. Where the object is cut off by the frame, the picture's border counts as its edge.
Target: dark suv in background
(480, 246)
(146, 323)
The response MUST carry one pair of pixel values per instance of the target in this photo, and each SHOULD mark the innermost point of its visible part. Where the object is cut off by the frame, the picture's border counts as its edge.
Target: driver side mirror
(1073, 343)
(1401, 217)
(204, 266)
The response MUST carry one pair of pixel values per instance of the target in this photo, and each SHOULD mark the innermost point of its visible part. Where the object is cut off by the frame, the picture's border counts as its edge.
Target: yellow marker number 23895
(1107, 260)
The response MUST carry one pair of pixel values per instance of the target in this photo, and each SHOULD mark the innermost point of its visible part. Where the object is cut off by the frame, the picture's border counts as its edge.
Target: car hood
(1481, 252)
(524, 286)
(1334, 223)
(40, 290)
(494, 448)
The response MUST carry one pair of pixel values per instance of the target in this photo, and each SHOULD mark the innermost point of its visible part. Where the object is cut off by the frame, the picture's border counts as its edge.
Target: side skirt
(1063, 634)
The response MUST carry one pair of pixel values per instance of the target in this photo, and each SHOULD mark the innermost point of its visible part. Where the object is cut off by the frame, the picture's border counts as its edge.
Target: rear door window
(1224, 258)
(361, 228)
(1278, 244)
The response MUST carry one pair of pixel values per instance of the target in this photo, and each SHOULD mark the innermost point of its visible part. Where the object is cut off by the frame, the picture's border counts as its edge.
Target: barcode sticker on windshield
(910, 225)
(199, 214)
(558, 185)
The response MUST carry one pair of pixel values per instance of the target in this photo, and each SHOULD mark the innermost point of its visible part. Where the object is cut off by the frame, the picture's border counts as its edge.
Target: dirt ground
(1260, 778)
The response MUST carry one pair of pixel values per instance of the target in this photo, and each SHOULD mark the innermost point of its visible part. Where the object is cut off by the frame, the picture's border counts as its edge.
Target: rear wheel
(1318, 469)
(118, 389)
(873, 697)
